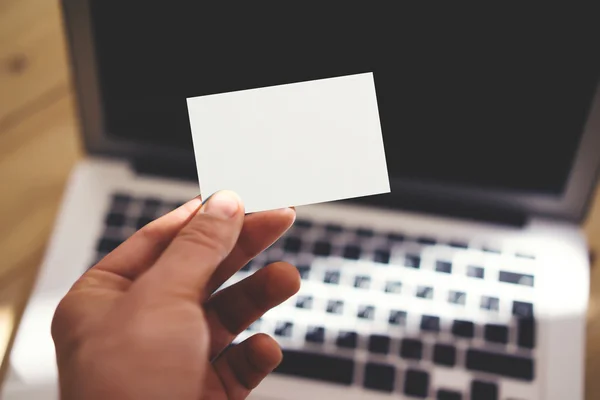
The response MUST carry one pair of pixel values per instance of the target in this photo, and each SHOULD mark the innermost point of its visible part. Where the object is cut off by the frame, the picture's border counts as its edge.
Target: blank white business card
(291, 145)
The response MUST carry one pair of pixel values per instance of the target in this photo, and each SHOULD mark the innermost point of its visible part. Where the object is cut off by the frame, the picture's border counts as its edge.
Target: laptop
(468, 281)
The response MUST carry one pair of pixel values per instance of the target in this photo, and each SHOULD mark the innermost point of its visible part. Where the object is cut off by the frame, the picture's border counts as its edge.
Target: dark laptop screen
(486, 98)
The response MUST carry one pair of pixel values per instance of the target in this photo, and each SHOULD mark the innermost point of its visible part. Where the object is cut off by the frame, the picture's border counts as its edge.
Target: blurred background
(39, 144)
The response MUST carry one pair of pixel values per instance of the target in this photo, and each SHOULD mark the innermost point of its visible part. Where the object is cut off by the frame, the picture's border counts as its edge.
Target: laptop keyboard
(387, 311)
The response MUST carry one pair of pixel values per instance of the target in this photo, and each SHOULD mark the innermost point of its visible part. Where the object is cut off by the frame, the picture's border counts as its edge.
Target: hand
(144, 323)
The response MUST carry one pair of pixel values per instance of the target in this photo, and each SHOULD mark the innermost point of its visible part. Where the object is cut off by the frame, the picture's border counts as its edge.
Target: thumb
(187, 264)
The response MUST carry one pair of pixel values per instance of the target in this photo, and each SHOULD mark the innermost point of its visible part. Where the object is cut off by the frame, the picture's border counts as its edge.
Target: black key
(335, 306)
(416, 383)
(143, 221)
(366, 312)
(322, 248)
(106, 245)
(315, 334)
(304, 302)
(393, 287)
(444, 354)
(302, 223)
(364, 232)
(445, 394)
(304, 271)
(284, 329)
(381, 256)
(332, 277)
(475, 272)
(496, 333)
(362, 282)
(425, 292)
(490, 303)
(412, 261)
(426, 241)
(526, 333)
(511, 366)
(456, 297)
(347, 340)
(292, 244)
(444, 267)
(522, 309)
(115, 219)
(465, 329)
(379, 344)
(121, 199)
(352, 252)
(411, 349)
(379, 377)
(484, 390)
(333, 228)
(152, 203)
(247, 266)
(430, 323)
(395, 237)
(317, 366)
(515, 278)
(397, 317)
(458, 245)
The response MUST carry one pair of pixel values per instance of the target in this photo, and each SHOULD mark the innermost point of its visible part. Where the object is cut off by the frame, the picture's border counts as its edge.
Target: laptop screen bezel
(572, 205)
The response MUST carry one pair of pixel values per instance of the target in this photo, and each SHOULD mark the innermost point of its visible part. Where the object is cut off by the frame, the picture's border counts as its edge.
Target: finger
(233, 309)
(187, 264)
(260, 230)
(242, 367)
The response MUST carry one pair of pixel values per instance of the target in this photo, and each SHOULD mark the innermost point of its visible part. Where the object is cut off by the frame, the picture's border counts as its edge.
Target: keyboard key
(393, 287)
(425, 292)
(379, 377)
(526, 333)
(426, 241)
(304, 301)
(379, 344)
(475, 272)
(304, 271)
(484, 390)
(352, 252)
(121, 199)
(143, 221)
(381, 256)
(335, 306)
(411, 349)
(364, 232)
(333, 228)
(332, 277)
(412, 261)
(395, 237)
(443, 266)
(106, 245)
(416, 383)
(347, 340)
(515, 278)
(362, 282)
(496, 333)
(522, 309)
(444, 354)
(315, 334)
(507, 365)
(458, 245)
(366, 312)
(292, 244)
(430, 323)
(490, 303)
(302, 223)
(284, 329)
(322, 248)
(445, 394)
(456, 297)
(465, 329)
(397, 317)
(115, 219)
(317, 366)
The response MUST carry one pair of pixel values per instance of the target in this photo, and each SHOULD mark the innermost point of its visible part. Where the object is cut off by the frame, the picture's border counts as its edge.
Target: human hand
(144, 324)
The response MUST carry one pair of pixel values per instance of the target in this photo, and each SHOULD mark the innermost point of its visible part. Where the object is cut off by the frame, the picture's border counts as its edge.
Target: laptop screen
(496, 101)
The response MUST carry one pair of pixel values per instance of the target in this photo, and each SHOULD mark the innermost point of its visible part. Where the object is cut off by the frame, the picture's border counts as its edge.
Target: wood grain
(39, 144)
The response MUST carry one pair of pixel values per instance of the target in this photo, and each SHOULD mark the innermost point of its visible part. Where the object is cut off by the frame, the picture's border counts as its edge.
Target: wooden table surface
(39, 144)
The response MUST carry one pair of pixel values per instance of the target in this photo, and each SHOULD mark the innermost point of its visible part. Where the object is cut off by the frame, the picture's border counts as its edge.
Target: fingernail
(222, 204)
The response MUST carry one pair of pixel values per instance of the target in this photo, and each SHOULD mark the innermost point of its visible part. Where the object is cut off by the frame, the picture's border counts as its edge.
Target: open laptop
(468, 281)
